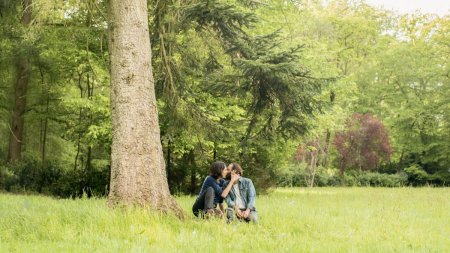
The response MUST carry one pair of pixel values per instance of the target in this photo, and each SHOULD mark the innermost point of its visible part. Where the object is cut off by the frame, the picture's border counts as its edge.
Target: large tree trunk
(138, 174)
(21, 85)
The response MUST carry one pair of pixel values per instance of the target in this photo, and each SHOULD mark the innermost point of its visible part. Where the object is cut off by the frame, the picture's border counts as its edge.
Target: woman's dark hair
(237, 168)
(216, 168)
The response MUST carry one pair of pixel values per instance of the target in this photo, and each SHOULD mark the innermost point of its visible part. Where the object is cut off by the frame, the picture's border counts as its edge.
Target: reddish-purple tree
(364, 144)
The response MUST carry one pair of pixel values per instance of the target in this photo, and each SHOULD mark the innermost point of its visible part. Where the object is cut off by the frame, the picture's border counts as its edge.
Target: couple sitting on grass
(226, 182)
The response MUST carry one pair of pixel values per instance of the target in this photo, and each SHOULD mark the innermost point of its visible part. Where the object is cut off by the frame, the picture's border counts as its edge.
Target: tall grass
(291, 220)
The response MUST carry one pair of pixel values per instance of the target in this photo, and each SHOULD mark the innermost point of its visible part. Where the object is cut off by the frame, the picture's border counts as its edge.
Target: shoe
(213, 213)
(218, 213)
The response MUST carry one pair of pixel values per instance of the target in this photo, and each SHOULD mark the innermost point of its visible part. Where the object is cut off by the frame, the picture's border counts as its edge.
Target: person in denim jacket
(241, 198)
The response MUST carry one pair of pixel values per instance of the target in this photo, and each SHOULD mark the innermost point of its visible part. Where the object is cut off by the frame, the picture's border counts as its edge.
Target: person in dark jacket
(213, 191)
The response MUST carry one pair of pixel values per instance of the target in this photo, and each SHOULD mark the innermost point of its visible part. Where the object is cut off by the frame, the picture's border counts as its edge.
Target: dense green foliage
(311, 220)
(244, 81)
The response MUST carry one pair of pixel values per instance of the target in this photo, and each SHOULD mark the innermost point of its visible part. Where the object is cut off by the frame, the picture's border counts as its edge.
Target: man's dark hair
(237, 168)
(216, 168)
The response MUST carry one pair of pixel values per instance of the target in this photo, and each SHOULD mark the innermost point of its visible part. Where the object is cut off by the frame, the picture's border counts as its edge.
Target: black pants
(204, 202)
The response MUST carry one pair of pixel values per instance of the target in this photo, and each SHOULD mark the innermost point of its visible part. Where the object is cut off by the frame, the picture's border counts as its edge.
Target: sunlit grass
(291, 220)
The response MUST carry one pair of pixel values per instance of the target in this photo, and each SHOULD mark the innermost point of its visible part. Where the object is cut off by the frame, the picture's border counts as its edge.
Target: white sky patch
(439, 7)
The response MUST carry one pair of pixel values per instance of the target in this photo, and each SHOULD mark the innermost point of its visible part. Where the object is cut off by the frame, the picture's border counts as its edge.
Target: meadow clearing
(291, 220)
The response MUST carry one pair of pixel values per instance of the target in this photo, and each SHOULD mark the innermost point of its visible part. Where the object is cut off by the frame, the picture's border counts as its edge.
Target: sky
(439, 7)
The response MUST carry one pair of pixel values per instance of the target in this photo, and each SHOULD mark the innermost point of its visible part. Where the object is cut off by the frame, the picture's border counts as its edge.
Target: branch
(15, 137)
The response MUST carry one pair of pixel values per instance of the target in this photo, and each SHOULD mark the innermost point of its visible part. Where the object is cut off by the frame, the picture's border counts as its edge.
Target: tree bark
(169, 157)
(138, 174)
(21, 85)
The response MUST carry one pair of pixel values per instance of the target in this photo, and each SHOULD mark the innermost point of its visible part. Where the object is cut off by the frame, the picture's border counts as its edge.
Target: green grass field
(291, 220)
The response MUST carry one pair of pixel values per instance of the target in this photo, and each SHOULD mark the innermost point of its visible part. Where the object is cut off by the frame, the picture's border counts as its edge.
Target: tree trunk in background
(21, 85)
(192, 165)
(328, 136)
(138, 174)
(44, 134)
(326, 149)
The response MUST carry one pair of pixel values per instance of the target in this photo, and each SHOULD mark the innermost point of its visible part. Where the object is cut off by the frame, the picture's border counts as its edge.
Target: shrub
(53, 178)
(441, 177)
(294, 176)
(416, 175)
(7, 178)
(383, 180)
